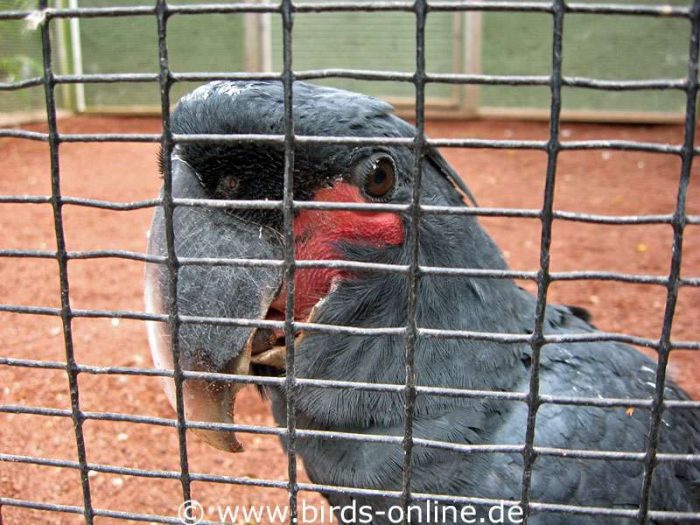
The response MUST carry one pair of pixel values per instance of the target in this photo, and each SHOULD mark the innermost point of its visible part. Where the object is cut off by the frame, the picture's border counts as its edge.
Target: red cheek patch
(316, 233)
(374, 228)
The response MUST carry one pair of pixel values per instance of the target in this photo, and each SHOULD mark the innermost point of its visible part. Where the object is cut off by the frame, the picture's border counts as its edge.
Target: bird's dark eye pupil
(380, 179)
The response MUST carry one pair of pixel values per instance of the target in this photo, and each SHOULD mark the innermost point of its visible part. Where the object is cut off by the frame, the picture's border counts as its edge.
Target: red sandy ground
(592, 181)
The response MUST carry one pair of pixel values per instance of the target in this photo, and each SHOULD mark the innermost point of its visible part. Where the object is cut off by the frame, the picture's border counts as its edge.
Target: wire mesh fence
(555, 81)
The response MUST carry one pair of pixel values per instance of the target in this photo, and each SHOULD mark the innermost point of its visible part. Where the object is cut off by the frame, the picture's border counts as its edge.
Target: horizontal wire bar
(609, 276)
(351, 330)
(574, 509)
(229, 204)
(356, 74)
(36, 505)
(547, 338)
(353, 265)
(83, 12)
(684, 345)
(351, 206)
(33, 310)
(164, 474)
(363, 438)
(79, 201)
(548, 7)
(36, 254)
(115, 254)
(348, 330)
(672, 516)
(128, 471)
(223, 138)
(263, 430)
(102, 78)
(474, 143)
(351, 385)
(192, 76)
(625, 85)
(624, 145)
(35, 460)
(109, 137)
(72, 509)
(21, 84)
(24, 134)
(539, 80)
(371, 6)
(663, 11)
(242, 7)
(94, 254)
(364, 74)
(612, 219)
(361, 5)
(621, 145)
(111, 205)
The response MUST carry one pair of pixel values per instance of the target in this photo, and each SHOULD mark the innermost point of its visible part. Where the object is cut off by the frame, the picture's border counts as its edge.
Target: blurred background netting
(595, 46)
(20, 59)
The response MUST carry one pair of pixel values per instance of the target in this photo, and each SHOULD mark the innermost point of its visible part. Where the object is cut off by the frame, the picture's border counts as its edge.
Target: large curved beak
(205, 290)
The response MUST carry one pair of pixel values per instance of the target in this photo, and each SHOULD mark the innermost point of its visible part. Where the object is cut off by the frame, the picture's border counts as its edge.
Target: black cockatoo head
(323, 173)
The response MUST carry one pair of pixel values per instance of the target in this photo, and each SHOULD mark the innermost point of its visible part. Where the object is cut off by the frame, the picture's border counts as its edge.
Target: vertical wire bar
(543, 277)
(420, 8)
(62, 259)
(165, 82)
(289, 262)
(679, 222)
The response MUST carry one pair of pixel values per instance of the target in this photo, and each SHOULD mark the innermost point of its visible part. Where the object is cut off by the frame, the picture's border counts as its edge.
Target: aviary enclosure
(573, 123)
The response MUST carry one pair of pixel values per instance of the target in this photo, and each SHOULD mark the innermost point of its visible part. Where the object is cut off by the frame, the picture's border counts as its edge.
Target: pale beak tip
(221, 439)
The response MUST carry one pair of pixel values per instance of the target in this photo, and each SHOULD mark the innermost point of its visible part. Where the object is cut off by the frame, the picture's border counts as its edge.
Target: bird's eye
(226, 187)
(378, 176)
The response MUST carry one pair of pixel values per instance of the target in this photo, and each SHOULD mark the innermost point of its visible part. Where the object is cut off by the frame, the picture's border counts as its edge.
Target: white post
(472, 59)
(61, 54)
(258, 52)
(265, 43)
(77, 55)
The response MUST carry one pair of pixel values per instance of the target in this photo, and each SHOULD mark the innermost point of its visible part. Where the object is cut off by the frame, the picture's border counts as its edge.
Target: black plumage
(366, 299)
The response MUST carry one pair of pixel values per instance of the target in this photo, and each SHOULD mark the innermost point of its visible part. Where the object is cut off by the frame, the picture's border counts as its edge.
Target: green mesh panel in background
(20, 59)
(130, 45)
(596, 46)
(375, 41)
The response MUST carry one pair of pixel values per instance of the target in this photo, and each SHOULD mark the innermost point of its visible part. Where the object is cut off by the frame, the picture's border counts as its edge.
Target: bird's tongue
(269, 346)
